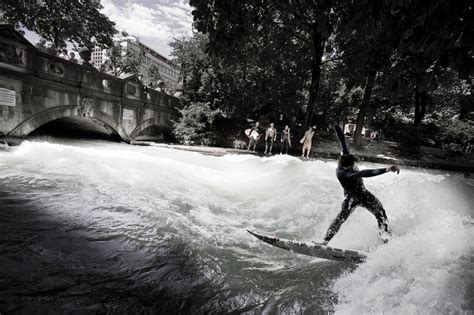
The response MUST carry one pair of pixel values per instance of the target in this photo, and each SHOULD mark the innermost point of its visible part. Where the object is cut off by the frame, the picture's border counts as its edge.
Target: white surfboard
(313, 249)
(254, 133)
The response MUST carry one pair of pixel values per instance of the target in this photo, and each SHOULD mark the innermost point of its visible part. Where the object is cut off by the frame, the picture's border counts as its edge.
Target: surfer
(254, 135)
(270, 137)
(355, 192)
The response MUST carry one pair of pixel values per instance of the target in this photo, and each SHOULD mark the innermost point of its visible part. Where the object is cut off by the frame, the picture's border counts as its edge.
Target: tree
(432, 37)
(257, 58)
(123, 59)
(229, 24)
(79, 22)
(195, 124)
(152, 75)
(263, 78)
(404, 41)
(191, 55)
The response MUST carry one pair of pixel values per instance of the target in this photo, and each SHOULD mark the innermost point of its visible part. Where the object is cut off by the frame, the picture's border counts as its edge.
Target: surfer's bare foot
(325, 243)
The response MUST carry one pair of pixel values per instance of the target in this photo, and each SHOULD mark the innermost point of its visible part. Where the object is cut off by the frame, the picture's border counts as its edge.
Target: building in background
(98, 57)
(170, 74)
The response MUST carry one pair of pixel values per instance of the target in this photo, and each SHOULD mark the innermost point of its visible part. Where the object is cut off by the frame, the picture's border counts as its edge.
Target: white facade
(168, 72)
(98, 57)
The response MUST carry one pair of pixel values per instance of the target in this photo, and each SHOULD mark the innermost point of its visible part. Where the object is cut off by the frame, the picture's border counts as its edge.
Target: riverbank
(384, 152)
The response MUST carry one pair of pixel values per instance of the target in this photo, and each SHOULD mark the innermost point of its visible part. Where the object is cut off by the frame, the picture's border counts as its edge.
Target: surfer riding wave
(355, 192)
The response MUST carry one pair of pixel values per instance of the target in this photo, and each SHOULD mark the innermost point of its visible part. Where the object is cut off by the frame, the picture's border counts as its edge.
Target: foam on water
(156, 195)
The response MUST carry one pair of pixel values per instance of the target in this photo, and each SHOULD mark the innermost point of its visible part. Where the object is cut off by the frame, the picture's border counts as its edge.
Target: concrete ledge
(218, 151)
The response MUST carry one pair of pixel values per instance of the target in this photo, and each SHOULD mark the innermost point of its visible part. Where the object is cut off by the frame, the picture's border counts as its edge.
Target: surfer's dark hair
(347, 160)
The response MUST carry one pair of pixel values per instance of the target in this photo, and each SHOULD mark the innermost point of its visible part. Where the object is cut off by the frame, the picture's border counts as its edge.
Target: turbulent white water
(156, 197)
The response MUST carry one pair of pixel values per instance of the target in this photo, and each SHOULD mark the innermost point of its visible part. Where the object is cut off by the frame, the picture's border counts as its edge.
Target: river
(95, 226)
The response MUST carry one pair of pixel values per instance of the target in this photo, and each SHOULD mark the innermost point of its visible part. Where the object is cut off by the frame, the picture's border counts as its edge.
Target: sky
(154, 22)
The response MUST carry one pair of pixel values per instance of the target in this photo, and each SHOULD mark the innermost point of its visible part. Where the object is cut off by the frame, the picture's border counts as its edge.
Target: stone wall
(36, 88)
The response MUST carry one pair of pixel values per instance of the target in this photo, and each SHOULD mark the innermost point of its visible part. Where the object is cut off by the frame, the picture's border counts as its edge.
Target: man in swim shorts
(270, 137)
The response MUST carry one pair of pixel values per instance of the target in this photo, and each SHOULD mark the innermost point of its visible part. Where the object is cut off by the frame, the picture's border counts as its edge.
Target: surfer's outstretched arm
(363, 173)
(342, 140)
(341, 173)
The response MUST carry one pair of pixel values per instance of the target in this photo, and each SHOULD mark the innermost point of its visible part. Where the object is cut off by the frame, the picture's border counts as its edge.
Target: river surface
(93, 226)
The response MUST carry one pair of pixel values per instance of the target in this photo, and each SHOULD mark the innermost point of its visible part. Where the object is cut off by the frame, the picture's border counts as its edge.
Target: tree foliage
(327, 62)
(79, 22)
(123, 59)
(241, 88)
(152, 76)
(195, 124)
(306, 23)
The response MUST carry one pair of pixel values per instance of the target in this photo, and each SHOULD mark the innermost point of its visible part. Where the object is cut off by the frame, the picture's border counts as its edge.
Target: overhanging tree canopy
(79, 22)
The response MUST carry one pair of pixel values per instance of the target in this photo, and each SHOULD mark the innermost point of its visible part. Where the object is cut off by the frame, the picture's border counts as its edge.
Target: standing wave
(135, 203)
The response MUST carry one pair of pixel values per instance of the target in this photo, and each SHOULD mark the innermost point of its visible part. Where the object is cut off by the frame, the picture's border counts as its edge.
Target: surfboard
(254, 134)
(313, 249)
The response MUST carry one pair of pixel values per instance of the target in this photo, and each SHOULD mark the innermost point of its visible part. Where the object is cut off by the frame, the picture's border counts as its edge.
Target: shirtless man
(270, 137)
(355, 192)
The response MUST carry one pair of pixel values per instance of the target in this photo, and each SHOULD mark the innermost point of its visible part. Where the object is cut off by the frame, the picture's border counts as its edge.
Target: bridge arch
(152, 122)
(58, 112)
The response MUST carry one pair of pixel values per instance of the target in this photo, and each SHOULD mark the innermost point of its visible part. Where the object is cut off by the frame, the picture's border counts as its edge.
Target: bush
(195, 126)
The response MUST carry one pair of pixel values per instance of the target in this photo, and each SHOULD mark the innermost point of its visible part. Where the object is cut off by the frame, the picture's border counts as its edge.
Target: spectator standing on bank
(254, 134)
(270, 138)
(285, 140)
(307, 141)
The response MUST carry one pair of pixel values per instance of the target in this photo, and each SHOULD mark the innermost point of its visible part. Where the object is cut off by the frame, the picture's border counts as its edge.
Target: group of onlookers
(272, 137)
(62, 53)
(84, 54)
(68, 56)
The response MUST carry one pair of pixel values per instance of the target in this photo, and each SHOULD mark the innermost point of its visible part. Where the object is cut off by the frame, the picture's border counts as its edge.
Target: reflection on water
(95, 226)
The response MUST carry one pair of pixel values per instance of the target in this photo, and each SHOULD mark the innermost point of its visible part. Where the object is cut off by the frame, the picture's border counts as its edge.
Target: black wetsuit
(285, 141)
(356, 195)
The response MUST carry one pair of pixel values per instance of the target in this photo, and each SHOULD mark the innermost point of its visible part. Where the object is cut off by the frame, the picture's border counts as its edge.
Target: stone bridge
(37, 88)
